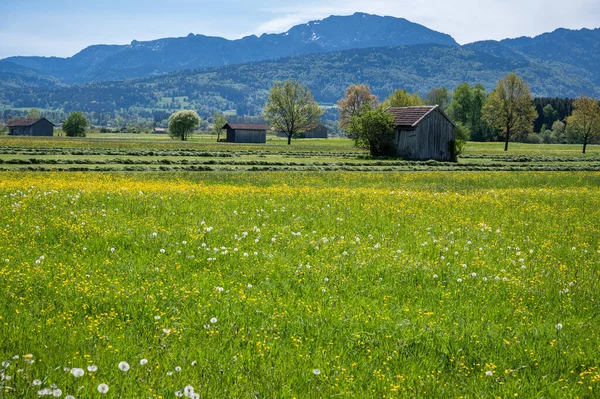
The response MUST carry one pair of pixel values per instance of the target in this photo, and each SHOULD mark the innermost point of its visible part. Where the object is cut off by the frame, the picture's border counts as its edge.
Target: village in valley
(351, 206)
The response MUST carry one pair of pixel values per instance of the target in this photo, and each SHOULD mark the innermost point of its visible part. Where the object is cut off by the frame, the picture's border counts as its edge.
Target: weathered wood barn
(423, 133)
(319, 132)
(31, 127)
(246, 133)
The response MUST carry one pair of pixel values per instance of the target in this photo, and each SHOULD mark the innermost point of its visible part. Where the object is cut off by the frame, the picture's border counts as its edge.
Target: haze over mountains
(328, 55)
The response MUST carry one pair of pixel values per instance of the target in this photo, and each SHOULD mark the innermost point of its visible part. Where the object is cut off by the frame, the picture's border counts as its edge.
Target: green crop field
(300, 284)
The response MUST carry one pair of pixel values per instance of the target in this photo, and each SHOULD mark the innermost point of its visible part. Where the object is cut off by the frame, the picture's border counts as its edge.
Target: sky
(64, 27)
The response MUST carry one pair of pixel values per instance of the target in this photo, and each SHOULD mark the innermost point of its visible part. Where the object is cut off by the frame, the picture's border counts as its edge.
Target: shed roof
(246, 126)
(26, 122)
(411, 116)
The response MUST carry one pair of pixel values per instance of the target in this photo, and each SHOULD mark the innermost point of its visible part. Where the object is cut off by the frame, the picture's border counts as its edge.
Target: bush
(533, 138)
(374, 131)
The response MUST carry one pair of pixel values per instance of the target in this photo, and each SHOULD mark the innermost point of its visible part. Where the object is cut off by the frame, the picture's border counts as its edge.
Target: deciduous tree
(75, 125)
(218, 122)
(510, 109)
(291, 109)
(438, 96)
(401, 98)
(584, 124)
(374, 131)
(182, 124)
(33, 114)
(358, 99)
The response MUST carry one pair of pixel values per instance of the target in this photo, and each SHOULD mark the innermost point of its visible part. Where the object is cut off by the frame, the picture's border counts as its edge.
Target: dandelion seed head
(124, 366)
(316, 372)
(77, 372)
(103, 388)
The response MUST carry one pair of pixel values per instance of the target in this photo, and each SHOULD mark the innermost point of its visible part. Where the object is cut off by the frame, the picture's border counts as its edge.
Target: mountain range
(209, 74)
(143, 59)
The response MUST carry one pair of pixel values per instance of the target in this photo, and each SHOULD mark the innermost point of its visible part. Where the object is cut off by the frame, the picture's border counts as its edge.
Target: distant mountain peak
(147, 58)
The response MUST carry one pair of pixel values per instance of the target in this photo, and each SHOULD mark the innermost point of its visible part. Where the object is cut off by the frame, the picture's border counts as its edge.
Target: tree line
(507, 113)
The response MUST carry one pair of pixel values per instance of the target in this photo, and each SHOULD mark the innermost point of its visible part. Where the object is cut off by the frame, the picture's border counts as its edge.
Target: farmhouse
(423, 133)
(246, 133)
(31, 127)
(159, 130)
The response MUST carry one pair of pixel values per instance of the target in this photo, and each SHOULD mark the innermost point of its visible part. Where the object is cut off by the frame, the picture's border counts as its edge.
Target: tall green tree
(438, 96)
(182, 124)
(401, 98)
(291, 109)
(510, 109)
(219, 121)
(480, 131)
(583, 125)
(550, 115)
(462, 103)
(374, 131)
(75, 125)
(357, 100)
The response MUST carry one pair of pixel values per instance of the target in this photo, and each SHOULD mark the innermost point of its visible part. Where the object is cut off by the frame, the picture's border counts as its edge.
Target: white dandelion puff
(316, 372)
(188, 391)
(489, 373)
(124, 366)
(77, 372)
(92, 368)
(559, 327)
(103, 388)
(143, 362)
(213, 320)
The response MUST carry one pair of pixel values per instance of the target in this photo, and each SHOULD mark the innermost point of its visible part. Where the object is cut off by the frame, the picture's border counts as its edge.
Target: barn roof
(411, 116)
(246, 126)
(26, 122)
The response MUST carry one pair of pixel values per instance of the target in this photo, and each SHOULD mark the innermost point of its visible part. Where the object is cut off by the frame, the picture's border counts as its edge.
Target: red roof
(25, 122)
(411, 116)
(245, 126)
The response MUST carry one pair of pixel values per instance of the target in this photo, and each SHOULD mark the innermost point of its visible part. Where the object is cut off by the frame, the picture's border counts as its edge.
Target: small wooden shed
(423, 133)
(31, 127)
(320, 132)
(246, 133)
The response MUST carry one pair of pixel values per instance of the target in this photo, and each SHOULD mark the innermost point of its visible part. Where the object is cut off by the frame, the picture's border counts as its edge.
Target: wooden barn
(423, 133)
(31, 127)
(246, 133)
(319, 132)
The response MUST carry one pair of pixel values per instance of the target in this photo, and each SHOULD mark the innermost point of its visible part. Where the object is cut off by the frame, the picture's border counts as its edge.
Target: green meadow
(299, 284)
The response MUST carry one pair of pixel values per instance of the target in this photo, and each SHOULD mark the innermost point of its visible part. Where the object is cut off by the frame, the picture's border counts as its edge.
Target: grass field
(298, 284)
(133, 152)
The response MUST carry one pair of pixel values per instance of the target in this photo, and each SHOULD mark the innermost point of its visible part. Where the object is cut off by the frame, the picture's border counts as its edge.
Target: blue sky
(63, 27)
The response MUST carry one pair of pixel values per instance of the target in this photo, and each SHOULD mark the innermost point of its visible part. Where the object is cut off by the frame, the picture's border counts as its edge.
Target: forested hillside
(245, 87)
(151, 58)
